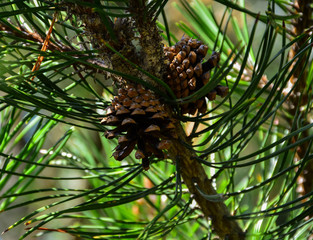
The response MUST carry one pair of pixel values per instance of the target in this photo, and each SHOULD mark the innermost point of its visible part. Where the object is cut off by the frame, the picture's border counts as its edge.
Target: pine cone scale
(140, 120)
(186, 62)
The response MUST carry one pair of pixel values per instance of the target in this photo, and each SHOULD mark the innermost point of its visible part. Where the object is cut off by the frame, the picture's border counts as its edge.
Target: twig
(193, 172)
(299, 96)
(35, 37)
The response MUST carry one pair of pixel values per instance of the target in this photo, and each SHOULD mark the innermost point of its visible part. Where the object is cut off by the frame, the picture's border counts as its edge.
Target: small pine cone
(140, 120)
(186, 73)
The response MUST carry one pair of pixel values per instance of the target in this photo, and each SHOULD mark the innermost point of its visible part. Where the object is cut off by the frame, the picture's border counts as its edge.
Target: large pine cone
(186, 73)
(140, 119)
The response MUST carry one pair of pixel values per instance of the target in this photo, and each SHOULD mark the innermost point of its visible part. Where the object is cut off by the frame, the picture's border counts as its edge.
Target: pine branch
(150, 58)
(22, 33)
(299, 95)
(151, 53)
(194, 174)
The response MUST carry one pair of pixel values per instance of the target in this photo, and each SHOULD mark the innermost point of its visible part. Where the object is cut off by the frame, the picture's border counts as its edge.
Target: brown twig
(22, 33)
(44, 46)
(194, 174)
(299, 95)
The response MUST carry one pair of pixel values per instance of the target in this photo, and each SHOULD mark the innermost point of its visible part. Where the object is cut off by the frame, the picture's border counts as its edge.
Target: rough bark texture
(299, 96)
(151, 53)
(193, 173)
(150, 57)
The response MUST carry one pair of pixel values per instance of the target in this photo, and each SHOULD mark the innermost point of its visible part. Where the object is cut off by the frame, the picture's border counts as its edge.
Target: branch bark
(150, 58)
(299, 97)
(193, 172)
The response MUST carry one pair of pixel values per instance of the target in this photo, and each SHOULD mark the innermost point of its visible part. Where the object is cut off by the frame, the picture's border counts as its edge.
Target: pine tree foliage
(248, 156)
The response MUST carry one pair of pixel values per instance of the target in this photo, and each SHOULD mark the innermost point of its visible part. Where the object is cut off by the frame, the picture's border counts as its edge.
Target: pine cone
(140, 120)
(186, 73)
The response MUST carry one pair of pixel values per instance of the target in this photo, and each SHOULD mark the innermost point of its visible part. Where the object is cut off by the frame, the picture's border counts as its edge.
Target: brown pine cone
(186, 73)
(140, 120)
